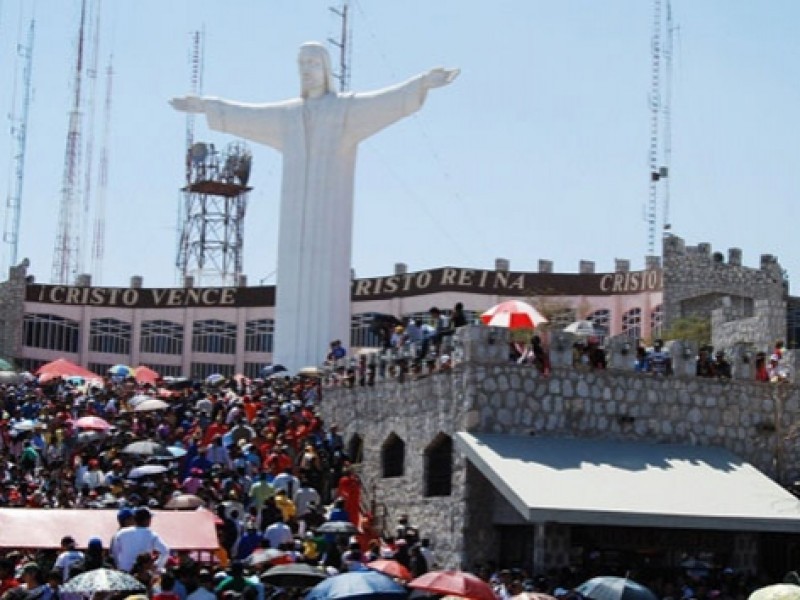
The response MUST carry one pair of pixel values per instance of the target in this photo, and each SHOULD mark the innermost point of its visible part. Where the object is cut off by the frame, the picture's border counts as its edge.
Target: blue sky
(538, 150)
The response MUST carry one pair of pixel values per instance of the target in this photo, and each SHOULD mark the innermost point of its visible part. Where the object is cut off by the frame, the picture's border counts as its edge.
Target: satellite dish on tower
(198, 152)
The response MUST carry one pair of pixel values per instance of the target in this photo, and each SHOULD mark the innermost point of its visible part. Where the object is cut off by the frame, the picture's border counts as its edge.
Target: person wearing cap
(69, 558)
(129, 542)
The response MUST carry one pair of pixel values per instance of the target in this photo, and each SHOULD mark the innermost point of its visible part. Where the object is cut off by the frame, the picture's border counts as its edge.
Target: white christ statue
(318, 135)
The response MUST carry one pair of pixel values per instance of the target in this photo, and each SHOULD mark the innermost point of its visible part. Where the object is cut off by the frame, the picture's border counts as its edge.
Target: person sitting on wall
(777, 372)
(705, 366)
(722, 366)
(660, 360)
(762, 374)
(642, 363)
(597, 354)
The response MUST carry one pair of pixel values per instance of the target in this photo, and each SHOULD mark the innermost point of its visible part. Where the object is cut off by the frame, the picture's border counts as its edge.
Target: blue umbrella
(121, 371)
(215, 379)
(363, 585)
(614, 588)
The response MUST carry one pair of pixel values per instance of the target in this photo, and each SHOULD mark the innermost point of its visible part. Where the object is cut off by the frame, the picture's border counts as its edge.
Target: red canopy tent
(23, 528)
(64, 368)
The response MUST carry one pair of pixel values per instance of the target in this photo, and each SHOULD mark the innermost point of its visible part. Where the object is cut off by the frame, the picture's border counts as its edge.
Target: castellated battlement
(699, 280)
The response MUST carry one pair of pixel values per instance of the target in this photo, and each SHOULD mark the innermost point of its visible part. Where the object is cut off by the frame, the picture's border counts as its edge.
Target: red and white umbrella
(513, 314)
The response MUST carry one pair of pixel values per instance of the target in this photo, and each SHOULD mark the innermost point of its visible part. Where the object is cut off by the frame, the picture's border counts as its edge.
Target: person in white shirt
(286, 482)
(305, 496)
(129, 542)
(278, 534)
(69, 557)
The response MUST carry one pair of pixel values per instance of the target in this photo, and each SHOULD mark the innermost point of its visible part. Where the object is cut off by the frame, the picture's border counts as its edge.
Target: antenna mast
(344, 44)
(19, 130)
(655, 117)
(667, 114)
(93, 52)
(99, 233)
(196, 79)
(66, 253)
(660, 152)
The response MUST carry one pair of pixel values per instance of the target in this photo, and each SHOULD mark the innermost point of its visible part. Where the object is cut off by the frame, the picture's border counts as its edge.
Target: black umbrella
(342, 527)
(102, 580)
(293, 575)
(146, 448)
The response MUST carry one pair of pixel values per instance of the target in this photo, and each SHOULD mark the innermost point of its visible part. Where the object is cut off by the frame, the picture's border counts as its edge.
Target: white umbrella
(138, 399)
(145, 470)
(150, 404)
(582, 329)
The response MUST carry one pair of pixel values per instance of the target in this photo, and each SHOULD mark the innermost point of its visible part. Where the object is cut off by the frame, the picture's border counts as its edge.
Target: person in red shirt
(218, 427)
(349, 490)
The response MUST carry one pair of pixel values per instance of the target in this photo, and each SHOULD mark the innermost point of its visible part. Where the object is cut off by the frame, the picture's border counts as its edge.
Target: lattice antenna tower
(344, 44)
(66, 253)
(660, 151)
(92, 53)
(196, 79)
(666, 168)
(655, 119)
(19, 131)
(99, 230)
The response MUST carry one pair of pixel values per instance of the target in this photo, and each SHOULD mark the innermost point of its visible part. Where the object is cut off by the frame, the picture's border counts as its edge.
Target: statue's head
(316, 75)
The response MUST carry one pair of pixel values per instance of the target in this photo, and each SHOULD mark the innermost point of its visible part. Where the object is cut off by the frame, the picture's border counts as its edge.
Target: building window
(253, 370)
(214, 336)
(203, 370)
(110, 336)
(31, 365)
(439, 466)
(364, 331)
(601, 319)
(161, 337)
(166, 370)
(632, 323)
(393, 456)
(100, 369)
(656, 322)
(51, 333)
(258, 336)
(355, 449)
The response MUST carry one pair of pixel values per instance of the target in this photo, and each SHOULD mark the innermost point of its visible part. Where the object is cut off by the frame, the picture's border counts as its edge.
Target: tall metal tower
(215, 201)
(344, 44)
(99, 230)
(660, 149)
(66, 253)
(92, 52)
(19, 130)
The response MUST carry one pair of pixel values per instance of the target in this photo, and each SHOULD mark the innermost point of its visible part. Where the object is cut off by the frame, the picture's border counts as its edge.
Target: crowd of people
(255, 452)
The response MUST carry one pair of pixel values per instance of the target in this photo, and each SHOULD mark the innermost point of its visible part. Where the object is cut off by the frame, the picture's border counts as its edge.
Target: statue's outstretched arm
(440, 76)
(191, 104)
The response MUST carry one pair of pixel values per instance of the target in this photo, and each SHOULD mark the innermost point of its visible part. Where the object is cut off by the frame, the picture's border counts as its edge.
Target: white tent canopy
(638, 484)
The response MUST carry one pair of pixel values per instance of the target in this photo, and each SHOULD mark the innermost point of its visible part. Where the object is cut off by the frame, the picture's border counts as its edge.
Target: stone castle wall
(12, 310)
(698, 281)
(484, 393)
